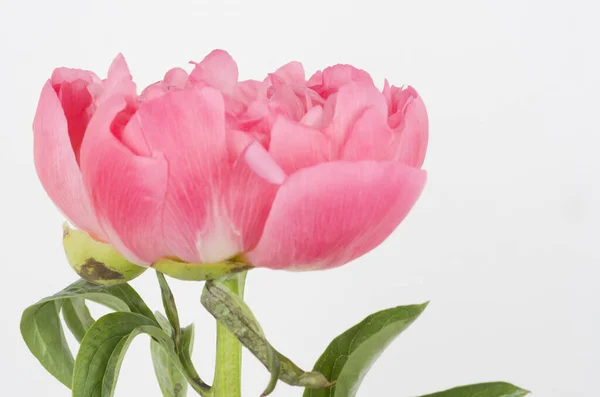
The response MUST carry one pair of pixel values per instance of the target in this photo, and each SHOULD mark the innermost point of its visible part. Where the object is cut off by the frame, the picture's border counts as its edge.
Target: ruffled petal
(291, 73)
(217, 70)
(334, 77)
(327, 215)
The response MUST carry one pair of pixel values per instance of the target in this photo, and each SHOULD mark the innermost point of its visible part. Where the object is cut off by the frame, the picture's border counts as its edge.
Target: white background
(503, 241)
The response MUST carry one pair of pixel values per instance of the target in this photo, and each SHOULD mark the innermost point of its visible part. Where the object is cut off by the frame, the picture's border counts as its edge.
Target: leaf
(349, 357)
(102, 351)
(492, 389)
(42, 330)
(163, 322)
(170, 308)
(113, 367)
(77, 317)
(180, 359)
(236, 316)
(185, 357)
(170, 379)
(44, 336)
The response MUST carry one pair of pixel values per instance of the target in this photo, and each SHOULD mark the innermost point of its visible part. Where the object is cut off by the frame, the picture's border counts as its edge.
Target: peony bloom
(285, 172)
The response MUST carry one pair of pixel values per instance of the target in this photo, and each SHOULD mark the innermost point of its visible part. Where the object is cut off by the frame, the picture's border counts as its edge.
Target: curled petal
(56, 164)
(327, 215)
(127, 190)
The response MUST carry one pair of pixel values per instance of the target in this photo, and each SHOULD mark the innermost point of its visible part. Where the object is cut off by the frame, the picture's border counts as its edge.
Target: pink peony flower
(288, 172)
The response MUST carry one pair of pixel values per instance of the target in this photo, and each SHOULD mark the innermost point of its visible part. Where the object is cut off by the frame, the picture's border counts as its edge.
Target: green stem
(228, 366)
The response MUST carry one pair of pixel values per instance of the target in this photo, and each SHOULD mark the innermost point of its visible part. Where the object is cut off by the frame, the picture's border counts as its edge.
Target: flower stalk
(228, 366)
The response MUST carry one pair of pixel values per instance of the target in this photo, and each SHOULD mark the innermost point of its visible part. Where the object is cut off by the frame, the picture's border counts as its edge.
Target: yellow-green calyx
(200, 271)
(95, 261)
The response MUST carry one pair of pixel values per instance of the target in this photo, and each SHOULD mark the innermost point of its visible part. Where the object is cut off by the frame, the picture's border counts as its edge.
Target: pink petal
(295, 146)
(77, 105)
(371, 139)
(291, 73)
(387, 93)
(251, 194)
(411, 125)
(334, 77)
(327, 215)
(250, 90)
(176, 77)
(285, 100)
(315, 80)
(351, 101)
(314, 117)
(119, 81)
(153, 91)
(263, 165)
(126, 190)
(188, 128)
(62, 75)
(56, 165)
(218, 70)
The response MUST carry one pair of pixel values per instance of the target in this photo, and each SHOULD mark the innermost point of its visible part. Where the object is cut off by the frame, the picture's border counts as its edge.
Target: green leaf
(349, 357)
(179, 359)
(185, 357)
(171, 380)
(492, 389)
(102, 351)
(77, 317)
(42, 330)
(170, 308)
(236, 316)
(163, 322)
(43, 333)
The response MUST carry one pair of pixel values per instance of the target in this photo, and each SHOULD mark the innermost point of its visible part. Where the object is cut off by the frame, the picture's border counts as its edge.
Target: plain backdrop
(504, 241)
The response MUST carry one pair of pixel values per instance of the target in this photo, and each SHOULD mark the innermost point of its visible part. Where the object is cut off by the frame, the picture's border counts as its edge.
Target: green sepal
(200, 271)
(95, 261)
